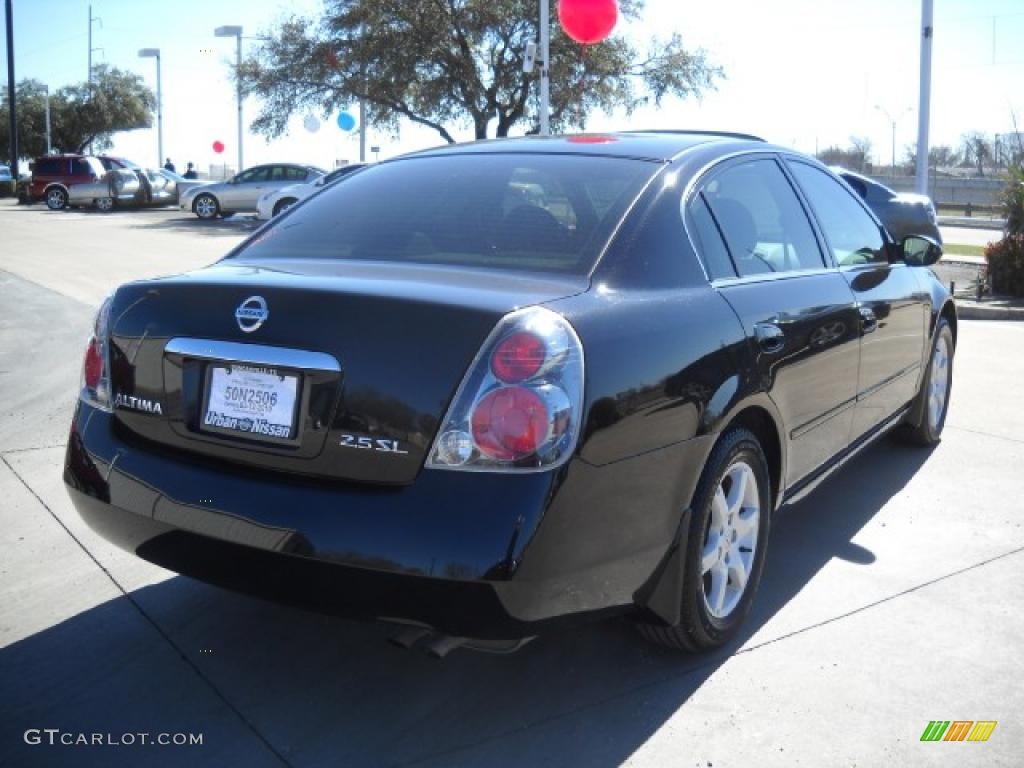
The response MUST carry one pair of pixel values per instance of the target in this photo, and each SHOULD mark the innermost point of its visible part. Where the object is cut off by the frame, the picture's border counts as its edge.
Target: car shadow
(323, 691)
(238, 224)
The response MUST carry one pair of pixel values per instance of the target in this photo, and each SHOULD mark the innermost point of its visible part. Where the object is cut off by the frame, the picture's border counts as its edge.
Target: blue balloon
(346, 122)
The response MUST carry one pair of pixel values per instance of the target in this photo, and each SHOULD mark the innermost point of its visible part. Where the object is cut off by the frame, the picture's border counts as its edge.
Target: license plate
(251, 401)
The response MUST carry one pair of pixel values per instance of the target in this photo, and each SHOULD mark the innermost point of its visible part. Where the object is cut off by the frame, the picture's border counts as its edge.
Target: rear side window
(851, 233)
(47, 166)
(709, 241)
(764, 224)
(549, 213)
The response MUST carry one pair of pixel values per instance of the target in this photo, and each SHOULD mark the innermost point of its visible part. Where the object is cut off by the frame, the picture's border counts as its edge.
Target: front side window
(762, 220)
(852, 234)
(253, 175)
(547, 213)
(80, 167)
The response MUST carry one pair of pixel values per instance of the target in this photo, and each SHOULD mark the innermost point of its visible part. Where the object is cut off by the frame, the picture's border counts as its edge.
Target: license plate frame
(291, 384)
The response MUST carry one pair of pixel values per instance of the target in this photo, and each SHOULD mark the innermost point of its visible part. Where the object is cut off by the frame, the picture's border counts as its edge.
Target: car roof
(655, 145)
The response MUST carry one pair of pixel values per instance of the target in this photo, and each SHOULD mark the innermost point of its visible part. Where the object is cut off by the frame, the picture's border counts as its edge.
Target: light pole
(545, 86)
(236, 32)
(925, 98)
(46, 89)
(893, 121)
(154, 53)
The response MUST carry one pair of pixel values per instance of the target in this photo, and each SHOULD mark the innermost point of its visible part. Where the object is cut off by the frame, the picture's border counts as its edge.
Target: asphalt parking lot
(892, 596)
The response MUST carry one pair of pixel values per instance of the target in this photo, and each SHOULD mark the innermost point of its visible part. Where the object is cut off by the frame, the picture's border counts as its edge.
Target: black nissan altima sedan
(483, 390)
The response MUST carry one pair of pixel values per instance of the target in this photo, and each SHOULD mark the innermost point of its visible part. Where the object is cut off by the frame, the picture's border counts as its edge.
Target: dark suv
(52, 175)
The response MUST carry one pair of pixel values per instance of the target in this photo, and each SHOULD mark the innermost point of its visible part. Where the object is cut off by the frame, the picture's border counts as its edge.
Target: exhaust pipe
(439, 645)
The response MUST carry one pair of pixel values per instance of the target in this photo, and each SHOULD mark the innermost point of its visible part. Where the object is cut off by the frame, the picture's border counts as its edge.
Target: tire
(283, 205)
(205, 206)
(56, 199)
(726, 531)
(105, 204)
(936, 387)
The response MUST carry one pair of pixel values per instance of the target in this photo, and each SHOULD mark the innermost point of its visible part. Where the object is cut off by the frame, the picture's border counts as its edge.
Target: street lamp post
(155, 53)
(236, 32)
(49, 148)
(893, 121)
(545, 85)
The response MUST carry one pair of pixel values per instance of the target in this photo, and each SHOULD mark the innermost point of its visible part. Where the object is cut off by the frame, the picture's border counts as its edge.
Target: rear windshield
(548, 213)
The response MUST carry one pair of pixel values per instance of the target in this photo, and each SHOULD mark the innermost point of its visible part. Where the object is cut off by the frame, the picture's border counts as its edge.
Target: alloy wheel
(938, 384)
(56, 199)
(730, 540)
(205, 207)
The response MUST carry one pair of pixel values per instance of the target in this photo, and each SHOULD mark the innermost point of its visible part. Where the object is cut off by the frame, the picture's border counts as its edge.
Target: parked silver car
(120, 185)
(902, 213)
(124, 187)
(242, 192)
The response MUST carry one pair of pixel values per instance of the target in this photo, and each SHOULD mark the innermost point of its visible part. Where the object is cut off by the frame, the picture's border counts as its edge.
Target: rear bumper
(468, 554)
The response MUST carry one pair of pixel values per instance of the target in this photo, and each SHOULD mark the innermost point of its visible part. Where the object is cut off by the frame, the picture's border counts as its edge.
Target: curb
(980, 312)
(971, 222)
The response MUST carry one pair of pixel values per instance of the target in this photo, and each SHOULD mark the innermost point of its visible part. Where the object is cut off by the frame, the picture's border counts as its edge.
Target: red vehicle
(54, 175)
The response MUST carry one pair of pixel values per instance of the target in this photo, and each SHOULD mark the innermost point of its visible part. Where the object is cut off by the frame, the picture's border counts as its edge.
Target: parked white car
(277, 200)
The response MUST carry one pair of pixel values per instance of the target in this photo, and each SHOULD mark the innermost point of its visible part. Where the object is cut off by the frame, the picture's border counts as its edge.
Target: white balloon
(311, 124)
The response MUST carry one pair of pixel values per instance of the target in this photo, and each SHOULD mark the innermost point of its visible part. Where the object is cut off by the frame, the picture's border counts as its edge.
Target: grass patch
(963, 250)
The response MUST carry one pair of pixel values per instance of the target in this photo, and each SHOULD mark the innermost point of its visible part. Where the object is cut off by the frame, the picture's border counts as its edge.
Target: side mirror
(920, 251)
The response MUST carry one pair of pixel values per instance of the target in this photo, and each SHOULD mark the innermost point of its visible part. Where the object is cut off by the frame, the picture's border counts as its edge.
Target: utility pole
(154, 53)
(545, 85)
(235, 31)
(49, 148)
(12, 101)
(924, 107)
(362, 128)
(91, 49)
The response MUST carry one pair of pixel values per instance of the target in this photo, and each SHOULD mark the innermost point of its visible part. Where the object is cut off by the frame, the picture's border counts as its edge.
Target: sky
(802, 73)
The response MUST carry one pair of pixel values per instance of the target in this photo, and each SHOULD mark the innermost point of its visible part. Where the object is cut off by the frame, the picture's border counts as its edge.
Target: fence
(951, 191)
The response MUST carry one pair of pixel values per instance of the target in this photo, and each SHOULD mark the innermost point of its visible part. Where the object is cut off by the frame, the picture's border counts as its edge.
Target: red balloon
(218, 147)
(588, 21)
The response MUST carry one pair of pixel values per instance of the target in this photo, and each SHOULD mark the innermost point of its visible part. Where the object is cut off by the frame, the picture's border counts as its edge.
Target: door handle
(868, 321)
(769, 337)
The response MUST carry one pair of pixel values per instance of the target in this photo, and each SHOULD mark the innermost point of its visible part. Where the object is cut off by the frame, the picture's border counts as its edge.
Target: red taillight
(519, 406)
(95, 389)
(518, 357)
(93, 368)
(510, 423)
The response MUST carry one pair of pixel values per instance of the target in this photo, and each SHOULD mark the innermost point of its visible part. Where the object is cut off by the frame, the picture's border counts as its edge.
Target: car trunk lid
(363, 359)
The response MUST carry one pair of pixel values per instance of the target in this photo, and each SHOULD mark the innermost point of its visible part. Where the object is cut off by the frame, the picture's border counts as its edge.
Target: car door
(765, 259)
(246, 189)
(893, 306)
(279, 177)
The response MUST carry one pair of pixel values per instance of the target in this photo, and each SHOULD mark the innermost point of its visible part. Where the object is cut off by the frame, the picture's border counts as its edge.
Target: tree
(444, 63)
(941, 156)
(975, 149)
(862, 150)
(31, 96)
(79, 114)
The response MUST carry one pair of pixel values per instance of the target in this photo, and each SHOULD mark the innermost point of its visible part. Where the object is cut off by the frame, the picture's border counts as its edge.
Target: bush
(1006, 258)
(1013, 202)
(1006, 265)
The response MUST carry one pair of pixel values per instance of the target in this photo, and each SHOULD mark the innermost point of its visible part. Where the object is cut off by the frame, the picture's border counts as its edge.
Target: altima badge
(252, 313)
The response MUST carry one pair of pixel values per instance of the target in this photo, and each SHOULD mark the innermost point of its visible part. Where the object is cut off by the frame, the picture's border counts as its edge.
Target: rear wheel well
(758, 421)
(950, 315)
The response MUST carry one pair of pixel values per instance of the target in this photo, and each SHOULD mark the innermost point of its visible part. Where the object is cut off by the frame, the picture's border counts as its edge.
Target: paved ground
(892, 596)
